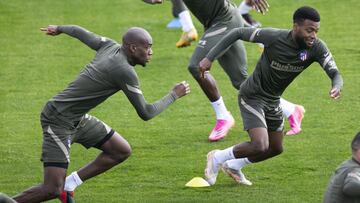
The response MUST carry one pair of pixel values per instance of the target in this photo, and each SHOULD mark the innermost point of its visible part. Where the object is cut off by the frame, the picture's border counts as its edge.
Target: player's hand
(51, 30)
(260, 6)
(153, 1)
(181, 89)
(335, 93)
(204, 66)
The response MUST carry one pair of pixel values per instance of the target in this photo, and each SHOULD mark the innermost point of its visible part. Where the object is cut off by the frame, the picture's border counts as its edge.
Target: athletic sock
(237, 164)
(220, 109)
(185, 20)
(287, 107)
(72, 181)
(224, 155)
(244, 8)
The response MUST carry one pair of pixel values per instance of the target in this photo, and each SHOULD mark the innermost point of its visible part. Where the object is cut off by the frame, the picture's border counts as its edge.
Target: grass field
(170, 149)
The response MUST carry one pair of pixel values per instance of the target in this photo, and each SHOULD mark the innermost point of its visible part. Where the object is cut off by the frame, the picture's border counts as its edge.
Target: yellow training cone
(197, 182)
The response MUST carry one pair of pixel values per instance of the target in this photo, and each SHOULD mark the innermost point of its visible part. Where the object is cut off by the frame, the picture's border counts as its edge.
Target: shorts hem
(56, 164)
(106, 138)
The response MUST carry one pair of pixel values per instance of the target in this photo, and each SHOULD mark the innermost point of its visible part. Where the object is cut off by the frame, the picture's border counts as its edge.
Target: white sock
(185, 20)
(220, 109)
(224, 155)
(287, 107)
(237, 164)
(244, 8)
(72, 181)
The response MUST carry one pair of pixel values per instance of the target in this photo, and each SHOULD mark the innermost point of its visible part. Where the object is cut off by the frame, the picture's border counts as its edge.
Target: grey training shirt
(281, 61)
(105, 75)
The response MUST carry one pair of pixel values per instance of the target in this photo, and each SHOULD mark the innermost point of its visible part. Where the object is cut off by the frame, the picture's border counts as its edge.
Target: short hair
(355, 144)
(306, 13)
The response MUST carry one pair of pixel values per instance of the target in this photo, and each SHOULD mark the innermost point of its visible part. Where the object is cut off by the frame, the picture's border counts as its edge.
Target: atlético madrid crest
(303, 55)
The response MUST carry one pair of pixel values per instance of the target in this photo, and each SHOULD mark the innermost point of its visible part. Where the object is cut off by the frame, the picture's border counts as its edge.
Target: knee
(260, 147)
(277, 150)
(52, 192)
(123, 154)
(126, 153)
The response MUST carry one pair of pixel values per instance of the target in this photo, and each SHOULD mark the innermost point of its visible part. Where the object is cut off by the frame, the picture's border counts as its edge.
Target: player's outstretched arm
(51, 30)
(90, 39)
(145, 110)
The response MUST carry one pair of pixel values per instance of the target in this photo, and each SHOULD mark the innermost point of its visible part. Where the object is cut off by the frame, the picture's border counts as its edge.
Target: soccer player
(293, 112)
(64, 118)
(286, 54)
(344, 185)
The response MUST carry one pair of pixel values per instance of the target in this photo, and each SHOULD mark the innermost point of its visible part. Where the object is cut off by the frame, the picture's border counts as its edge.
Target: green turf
(170, 150)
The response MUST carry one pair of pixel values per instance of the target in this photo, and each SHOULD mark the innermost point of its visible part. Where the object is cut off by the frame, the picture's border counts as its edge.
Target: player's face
(306, 33)
(143, 53)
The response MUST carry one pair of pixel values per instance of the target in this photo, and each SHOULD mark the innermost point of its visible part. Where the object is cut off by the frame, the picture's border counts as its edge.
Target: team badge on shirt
(303, 55)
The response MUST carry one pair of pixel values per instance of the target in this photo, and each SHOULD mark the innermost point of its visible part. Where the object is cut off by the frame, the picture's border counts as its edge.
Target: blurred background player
(344, 185)
(287, 53)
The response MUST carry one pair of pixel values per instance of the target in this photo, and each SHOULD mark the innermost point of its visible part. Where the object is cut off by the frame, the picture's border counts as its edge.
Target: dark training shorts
(58, 137)
(257, 113)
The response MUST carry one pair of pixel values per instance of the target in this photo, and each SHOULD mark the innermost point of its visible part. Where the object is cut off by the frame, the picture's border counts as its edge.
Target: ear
(295, 25)
(132, 48)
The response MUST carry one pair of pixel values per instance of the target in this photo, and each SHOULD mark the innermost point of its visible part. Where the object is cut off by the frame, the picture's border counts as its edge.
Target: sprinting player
(64, 118)
(294, 112)
(286, 54)
(344, 185)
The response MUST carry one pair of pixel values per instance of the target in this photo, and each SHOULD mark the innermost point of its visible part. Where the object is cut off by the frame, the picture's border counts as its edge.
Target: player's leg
(55, 156)
(295, 114)
(234, 60)
(254, 122)
(257, 145)
(175, 22)
(234, 64)
(51, 188)
(189, 32)
(94, 133)
(244, 8)
(275, 125)
(114, 151)
(224, 120)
